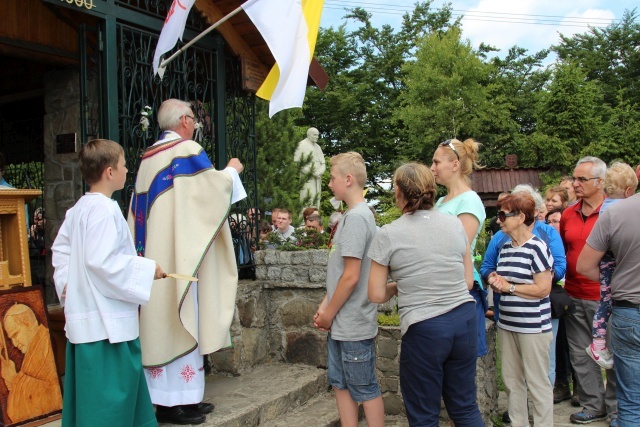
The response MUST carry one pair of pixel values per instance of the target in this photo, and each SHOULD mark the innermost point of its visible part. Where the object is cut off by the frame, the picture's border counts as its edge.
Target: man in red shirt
(575, 226)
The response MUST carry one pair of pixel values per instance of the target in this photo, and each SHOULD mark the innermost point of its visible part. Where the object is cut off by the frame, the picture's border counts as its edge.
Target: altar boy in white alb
(178, 217)
(101, 283)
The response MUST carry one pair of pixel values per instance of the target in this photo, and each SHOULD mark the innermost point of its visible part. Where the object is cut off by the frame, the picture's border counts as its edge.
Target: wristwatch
(512, 289)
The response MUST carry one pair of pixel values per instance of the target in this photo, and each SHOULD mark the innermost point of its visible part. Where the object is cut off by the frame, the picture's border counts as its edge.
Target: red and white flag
(172, 30)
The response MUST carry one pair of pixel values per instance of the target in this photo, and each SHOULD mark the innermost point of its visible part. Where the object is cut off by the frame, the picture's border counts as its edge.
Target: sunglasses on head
(502, 215)
(449, 143)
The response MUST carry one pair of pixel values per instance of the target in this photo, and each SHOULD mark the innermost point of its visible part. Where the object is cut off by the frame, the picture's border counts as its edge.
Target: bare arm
(468, 268)
(589, 263)
(379, 289)
(347, 283)
(470, 224)
(540, 288)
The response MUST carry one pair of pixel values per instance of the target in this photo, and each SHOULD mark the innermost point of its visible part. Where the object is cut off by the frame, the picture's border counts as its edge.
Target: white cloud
(534, 25)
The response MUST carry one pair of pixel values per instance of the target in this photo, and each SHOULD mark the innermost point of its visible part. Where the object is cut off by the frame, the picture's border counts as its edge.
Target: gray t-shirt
(617, 230)
(358, 318)
(425, 253)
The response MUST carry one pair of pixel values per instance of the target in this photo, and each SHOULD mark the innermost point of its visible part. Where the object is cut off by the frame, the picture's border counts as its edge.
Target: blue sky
(532, 24)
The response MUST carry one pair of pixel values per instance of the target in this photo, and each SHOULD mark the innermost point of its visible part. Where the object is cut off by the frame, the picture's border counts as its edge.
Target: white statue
(307, 146)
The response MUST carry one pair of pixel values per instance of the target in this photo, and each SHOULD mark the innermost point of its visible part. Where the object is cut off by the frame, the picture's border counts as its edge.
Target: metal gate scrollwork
(191, 77)
(241, 143)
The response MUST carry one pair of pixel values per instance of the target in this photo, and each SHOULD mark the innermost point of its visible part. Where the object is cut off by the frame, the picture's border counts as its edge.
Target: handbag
(561, 302)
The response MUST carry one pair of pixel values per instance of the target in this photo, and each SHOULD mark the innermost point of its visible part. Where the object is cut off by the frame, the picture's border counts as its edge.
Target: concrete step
(260, 396)
(320, 411)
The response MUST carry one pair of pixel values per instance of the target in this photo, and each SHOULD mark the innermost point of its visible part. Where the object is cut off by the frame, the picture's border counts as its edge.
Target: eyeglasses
(191, 117)
(449, 143)
(581, 179)
(502, 215)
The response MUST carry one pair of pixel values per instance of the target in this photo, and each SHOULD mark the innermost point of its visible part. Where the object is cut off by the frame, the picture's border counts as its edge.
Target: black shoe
(561, 392)
(506, 418)
(178, 415)
(201, 408)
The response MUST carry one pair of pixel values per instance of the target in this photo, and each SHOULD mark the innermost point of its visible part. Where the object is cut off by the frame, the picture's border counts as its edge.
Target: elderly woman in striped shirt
(523, 279)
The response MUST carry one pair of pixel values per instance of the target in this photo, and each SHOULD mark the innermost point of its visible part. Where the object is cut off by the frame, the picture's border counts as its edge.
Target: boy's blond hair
(618, 178)
(96, 156)
(351, 163)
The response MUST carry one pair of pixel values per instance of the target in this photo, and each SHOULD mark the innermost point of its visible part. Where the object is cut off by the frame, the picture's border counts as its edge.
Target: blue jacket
(547, 233)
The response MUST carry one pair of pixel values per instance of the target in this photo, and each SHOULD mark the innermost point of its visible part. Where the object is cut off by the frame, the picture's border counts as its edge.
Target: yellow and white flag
(290, 29)
(172, 30)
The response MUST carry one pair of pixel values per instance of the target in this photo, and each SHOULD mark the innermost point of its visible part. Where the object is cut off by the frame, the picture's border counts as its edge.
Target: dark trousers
(438, 359)
(563, 364)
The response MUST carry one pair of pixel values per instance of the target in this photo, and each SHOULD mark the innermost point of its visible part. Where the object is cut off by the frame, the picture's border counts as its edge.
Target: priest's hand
(236, 164)
(159, 274)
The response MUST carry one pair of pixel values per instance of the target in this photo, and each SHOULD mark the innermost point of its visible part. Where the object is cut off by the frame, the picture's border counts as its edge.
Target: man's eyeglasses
(191, 117)
(502, 215)
(581, 179)
(449, 143)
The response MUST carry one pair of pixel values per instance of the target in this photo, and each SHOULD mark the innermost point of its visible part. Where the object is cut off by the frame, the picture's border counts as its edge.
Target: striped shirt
(518, 265)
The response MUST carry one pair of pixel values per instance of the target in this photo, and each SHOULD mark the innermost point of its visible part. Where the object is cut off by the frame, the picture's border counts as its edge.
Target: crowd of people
(558, 268)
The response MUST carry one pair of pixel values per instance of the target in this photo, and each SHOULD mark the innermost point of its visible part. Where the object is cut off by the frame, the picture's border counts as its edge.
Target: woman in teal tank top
(452, 164)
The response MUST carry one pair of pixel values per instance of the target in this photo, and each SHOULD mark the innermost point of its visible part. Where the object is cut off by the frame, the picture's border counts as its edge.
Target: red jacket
(574, 231)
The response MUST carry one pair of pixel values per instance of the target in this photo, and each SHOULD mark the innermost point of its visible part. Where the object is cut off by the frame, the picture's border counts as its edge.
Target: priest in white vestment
(178, 217)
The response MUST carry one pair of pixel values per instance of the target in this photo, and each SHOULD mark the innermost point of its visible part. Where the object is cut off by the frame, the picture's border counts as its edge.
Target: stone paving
(326, 408)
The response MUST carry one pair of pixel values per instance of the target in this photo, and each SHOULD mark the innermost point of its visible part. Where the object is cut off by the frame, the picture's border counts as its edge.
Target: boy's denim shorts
(352, 367)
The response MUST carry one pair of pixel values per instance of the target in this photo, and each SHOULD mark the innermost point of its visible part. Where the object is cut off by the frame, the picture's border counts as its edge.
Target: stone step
(262, 395)
(320, 411)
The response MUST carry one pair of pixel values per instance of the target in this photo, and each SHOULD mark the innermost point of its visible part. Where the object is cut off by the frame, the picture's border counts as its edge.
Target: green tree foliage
(393, 95)
(366, 76)
(449, 93)
(608, 56)
(609, 59)
(279, 179)
(569, 117)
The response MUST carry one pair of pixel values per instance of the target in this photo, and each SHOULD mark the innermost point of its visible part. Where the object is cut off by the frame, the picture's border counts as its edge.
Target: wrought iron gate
(202, 75)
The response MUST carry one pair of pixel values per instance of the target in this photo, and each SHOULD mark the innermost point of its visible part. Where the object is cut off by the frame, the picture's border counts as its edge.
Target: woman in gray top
(437, 314)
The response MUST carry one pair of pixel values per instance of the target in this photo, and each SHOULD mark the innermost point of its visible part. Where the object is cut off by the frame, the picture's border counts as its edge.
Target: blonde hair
(618, 178)
(96, 156)
(560, 191)
(417, 185)
(351, 163)
(468, 153)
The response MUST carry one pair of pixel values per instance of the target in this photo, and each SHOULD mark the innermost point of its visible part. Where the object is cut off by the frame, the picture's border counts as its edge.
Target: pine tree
(279, 180)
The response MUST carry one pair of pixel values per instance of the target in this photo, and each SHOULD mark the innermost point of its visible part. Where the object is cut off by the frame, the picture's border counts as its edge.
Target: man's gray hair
(599, 167)
(526, 188)
(170, 113)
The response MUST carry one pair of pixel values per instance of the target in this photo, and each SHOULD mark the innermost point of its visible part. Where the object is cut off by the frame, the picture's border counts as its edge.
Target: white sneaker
(603, 358)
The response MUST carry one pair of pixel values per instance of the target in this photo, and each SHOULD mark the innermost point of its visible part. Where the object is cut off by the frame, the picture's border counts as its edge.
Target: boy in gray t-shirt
(346, 310)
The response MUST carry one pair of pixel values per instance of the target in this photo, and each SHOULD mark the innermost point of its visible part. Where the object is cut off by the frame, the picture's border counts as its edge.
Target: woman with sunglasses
(523, 280)
(452, 164)
(437, 314)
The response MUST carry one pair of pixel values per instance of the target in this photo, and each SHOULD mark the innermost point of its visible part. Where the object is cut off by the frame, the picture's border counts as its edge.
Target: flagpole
(234, 12)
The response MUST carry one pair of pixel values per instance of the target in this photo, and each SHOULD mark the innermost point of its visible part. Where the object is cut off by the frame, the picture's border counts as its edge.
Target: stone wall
(63, 182)
(274, 323)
